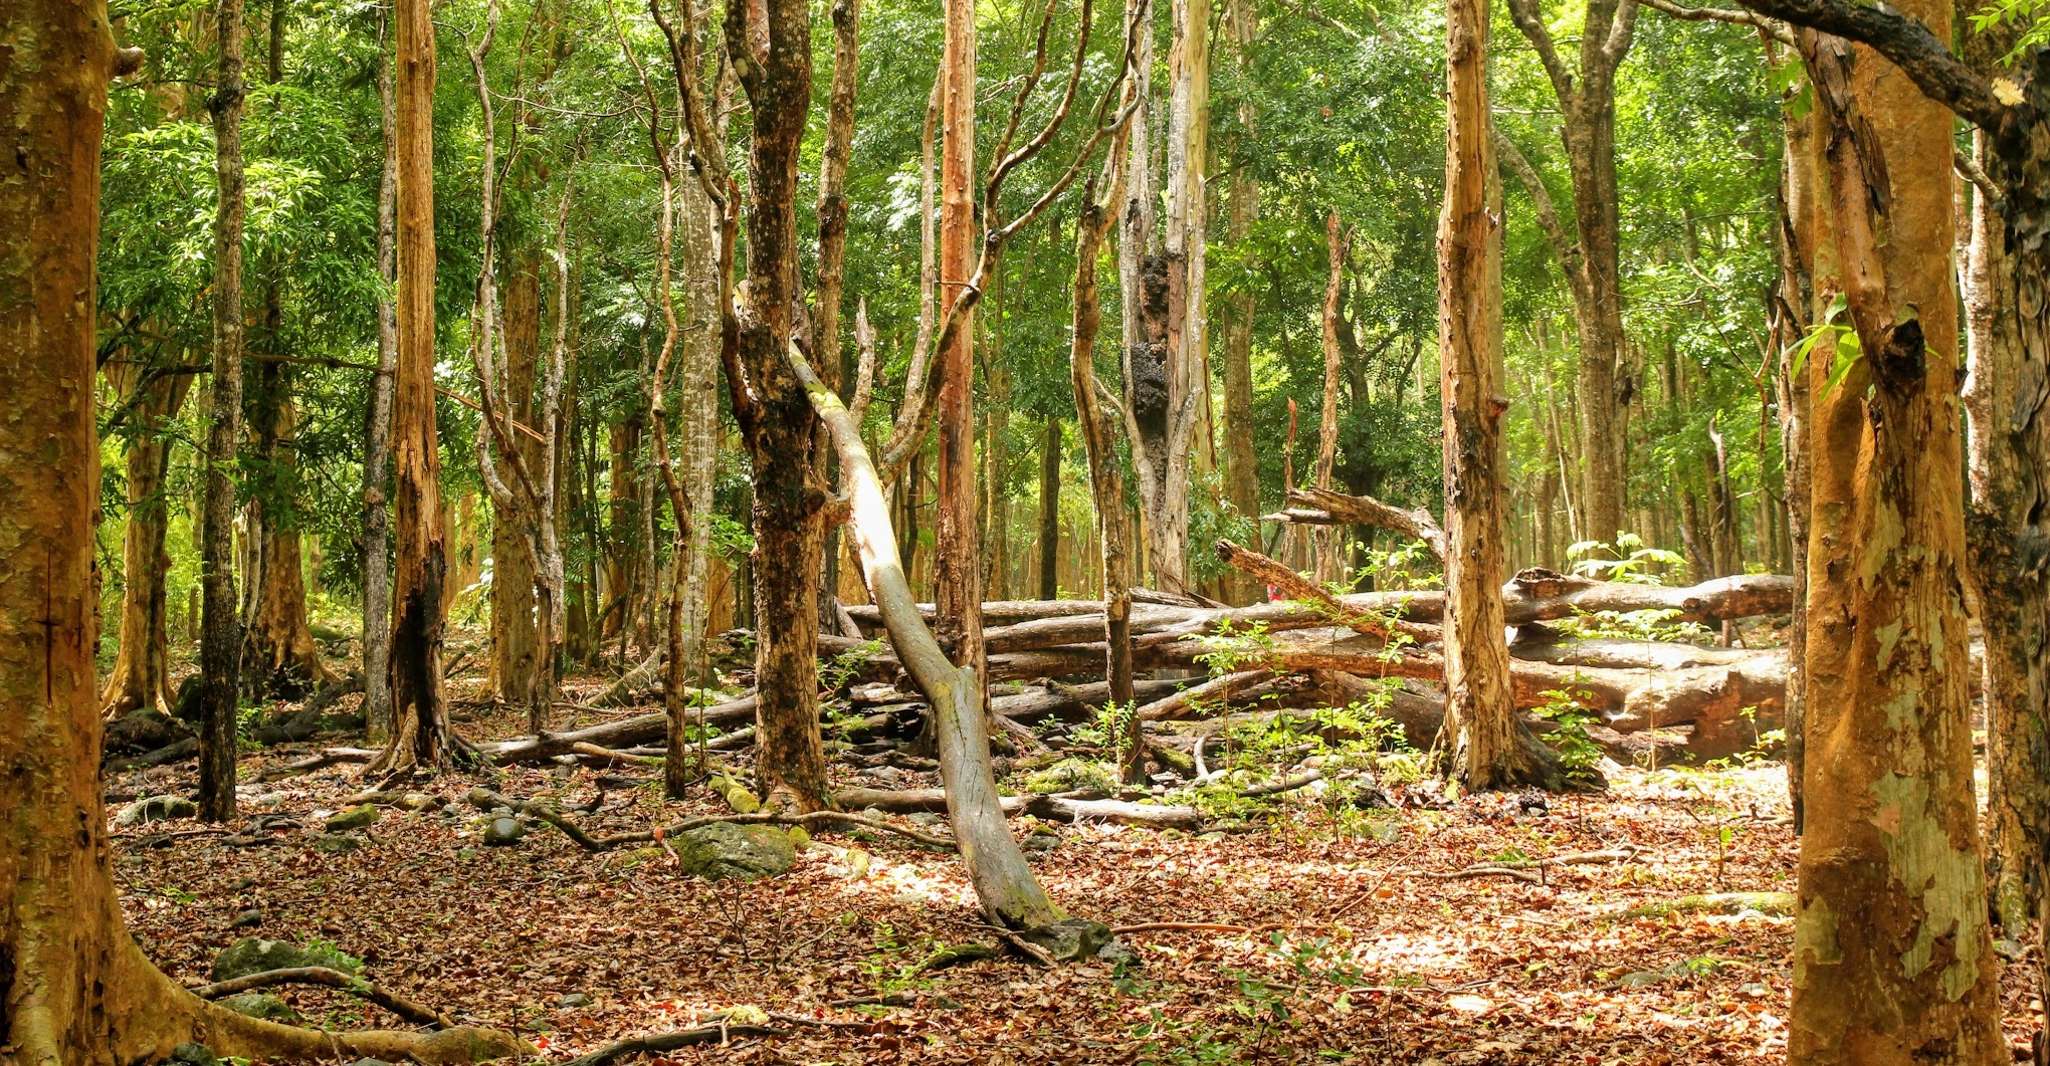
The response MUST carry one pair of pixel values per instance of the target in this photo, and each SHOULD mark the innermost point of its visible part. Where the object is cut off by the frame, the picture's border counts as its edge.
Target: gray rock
(725, 850)
(256, 954)
(353, 818)
(572, 1000)
(926, 818)
(1069, 939)
(370, 1062)
(156, 809)
(504, 831)
(420, 801)
(262, 1005)
(142, 730)
(247, 920)
(335, 843)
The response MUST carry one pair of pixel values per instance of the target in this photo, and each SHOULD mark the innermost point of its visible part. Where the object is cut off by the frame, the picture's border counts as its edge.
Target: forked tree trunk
(421, 736)
(1485, 742)
(140, 677)
(220, 644)
(74, 988)
(1241, 465)
(1891, 825)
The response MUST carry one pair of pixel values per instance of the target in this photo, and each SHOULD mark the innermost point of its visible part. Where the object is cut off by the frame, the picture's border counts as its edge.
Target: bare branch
(1771, 27)
(1941, 76)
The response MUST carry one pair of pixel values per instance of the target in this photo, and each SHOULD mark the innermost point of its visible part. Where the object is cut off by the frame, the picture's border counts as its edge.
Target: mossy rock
(353, 818)
(262, 1005)
(1777, 904)
(257, 954)
(1071, 775)
(726, 851)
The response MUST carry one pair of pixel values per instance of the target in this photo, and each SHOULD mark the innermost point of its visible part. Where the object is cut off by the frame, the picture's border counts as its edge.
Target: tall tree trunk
(835, 157)
(957, 549)
(421, 736)
(1485, 743)
(1050, 511)
(1793, 316)
(220, 645)
(698, 413)
(774, 413)
(1241, 464)
(2006, 457)
(73, 987)
(1891, 825)
(140, 677)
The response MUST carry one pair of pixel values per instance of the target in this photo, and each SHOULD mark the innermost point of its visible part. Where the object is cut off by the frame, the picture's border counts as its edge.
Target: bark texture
(957, 554)
(1892, 959)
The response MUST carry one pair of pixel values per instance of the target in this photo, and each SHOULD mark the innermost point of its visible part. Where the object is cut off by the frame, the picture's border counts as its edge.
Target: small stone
(156, 809)
(419, 801)
(1041, 842)
(336, 844)
(370, 1062)
(353, 818)
(247, 919)
(1069, 939)
(741, 800)
(504, 831)
(195, 1055)
(925, 818)
(573, 1000)
(267, 801)
(262, 1005)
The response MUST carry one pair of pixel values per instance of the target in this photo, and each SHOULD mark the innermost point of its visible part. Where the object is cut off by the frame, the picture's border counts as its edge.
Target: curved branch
(1941, 76)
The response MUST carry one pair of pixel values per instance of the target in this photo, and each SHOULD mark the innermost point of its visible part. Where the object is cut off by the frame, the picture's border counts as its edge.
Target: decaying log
(1313, 506)
(624, 733)
(1218, 689)
(1068, 701)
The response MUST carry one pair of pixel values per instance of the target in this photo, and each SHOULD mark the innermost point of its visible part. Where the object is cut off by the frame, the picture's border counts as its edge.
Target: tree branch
(1941, 76)
(1772, 28)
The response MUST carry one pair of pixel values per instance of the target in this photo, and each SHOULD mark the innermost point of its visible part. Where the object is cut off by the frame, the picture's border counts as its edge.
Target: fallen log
(623, 733)
(1217, 689)
(1313, 506)
(1066, 701)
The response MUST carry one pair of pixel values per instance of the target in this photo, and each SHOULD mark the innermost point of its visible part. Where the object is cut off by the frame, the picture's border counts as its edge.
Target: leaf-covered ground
(1332, 943)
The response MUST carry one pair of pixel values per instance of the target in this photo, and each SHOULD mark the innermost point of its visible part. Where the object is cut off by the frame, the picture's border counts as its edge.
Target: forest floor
(1342, 948)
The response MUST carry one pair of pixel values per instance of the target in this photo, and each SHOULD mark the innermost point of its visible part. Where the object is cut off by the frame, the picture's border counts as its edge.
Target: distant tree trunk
(996, 456)
(1330, 537)
(835, 158)
(1587, 104)
(1723, 508)
(220, 645)
(698, 412)
(515, 649)
(1891, 825)
(1050, 511)
(420, 734)
(140, 677)
(378, 435)
(1485, 743)
(278, 650)
(1241, 464)
(957, 549)
(622, 527)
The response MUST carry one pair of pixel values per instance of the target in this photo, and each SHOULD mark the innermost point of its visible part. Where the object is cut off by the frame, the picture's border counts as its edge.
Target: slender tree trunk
(421, 736)
(838, 152)
(1050, 511)
(1329, 538)
(220, 650)
(378, 435)
(515, 636)
(1891, 824)
(140, 677)
(1486, 744)
(957, 549)
(1793, 318)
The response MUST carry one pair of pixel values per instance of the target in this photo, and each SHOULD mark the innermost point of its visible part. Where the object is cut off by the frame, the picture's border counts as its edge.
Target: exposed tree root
(328, 978)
